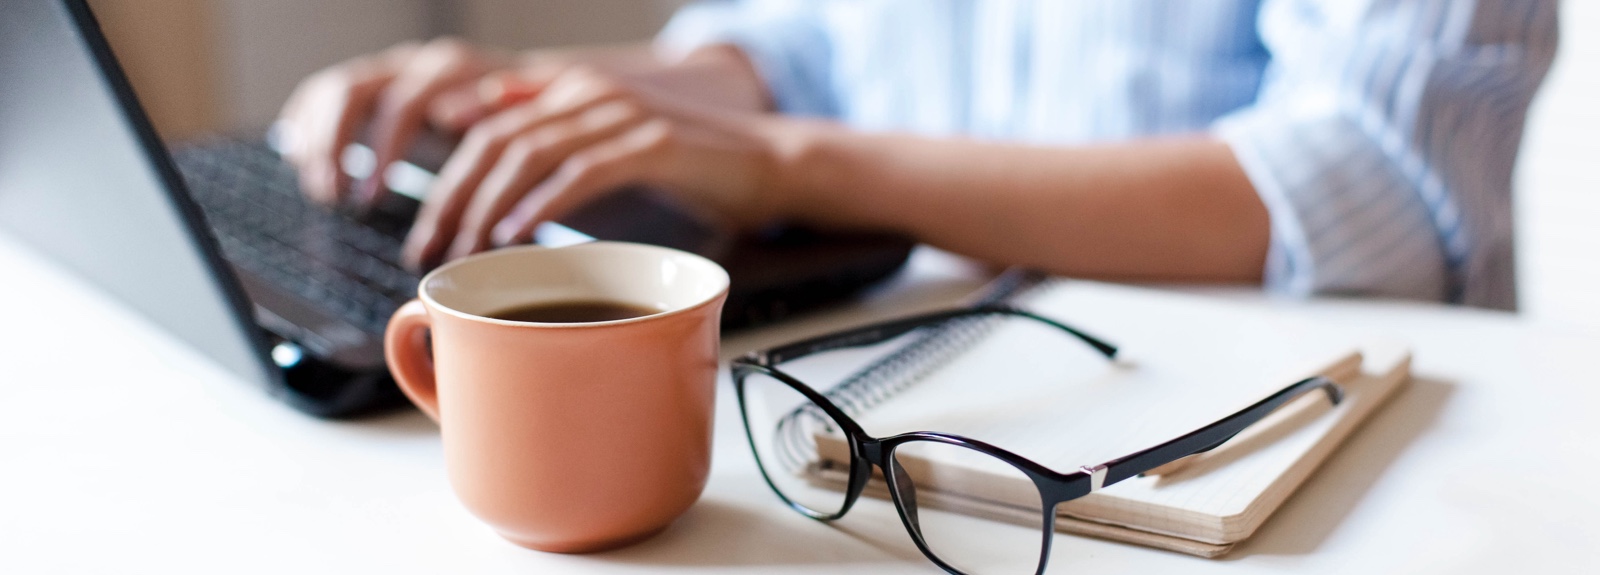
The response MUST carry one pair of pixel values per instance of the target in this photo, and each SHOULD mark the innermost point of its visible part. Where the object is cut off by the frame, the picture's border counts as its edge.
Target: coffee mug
(568, 437)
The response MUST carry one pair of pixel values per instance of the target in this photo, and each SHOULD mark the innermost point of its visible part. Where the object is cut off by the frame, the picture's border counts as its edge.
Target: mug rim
(427, 298)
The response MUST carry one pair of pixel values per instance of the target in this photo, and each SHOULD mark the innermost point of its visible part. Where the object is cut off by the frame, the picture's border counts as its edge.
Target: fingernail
(367, 191)
(327, 184)
(503, 234)
(410, 256)
(456, 250)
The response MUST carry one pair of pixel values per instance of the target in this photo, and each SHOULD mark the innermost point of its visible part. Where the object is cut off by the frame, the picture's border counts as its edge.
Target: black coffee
(573, 311)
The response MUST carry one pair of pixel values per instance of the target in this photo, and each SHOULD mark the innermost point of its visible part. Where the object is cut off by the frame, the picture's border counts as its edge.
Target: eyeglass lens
(806, 457)
(800, 448)
(1010, 515)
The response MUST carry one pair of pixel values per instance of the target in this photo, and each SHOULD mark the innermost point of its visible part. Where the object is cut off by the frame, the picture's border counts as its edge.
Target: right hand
(397, 90)
(587, 132)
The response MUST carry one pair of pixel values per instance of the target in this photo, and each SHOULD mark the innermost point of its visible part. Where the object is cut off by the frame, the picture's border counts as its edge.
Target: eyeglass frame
(1054, 487)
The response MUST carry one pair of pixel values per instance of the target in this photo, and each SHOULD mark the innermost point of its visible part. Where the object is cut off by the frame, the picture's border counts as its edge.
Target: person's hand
(398, 90)
(585, 134)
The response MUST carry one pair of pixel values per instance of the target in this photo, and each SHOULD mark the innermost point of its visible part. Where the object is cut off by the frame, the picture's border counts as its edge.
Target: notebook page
(1184, 363)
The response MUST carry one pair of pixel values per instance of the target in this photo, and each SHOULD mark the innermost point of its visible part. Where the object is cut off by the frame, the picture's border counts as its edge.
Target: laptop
(213, 240)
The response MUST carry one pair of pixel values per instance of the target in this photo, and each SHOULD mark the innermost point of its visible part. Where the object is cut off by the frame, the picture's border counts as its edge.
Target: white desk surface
(123, 451)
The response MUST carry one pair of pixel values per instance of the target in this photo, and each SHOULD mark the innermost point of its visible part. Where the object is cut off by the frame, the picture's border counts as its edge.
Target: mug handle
(409, 359)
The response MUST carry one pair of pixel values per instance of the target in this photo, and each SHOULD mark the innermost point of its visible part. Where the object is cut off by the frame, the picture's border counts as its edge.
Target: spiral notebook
(1187, 361)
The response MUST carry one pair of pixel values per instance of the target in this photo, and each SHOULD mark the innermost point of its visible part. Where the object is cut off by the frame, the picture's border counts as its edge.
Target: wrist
(800, 172)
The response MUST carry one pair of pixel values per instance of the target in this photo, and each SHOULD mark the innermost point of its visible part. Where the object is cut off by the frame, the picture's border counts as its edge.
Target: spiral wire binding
(896, 371)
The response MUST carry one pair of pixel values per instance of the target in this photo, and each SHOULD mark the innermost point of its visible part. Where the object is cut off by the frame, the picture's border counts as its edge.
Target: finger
(580, 87)
(327, 128)
(402, 108)
(633, 157)
(531, 158)
(457, 108)
(322, 115)
(462, 174)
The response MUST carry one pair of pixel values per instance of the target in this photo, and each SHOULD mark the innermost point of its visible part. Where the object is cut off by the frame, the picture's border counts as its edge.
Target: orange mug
(568, 437)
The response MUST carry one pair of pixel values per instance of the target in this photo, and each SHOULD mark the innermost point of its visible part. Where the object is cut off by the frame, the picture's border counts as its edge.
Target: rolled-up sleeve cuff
(787, 47)
(1344, 219)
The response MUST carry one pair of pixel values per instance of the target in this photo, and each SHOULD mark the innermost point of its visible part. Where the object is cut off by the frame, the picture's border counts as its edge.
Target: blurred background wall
(169, 51)
(1558, 182)
(207, 65)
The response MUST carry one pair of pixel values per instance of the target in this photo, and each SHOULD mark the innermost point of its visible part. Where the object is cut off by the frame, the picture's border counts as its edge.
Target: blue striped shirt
(1380, 134)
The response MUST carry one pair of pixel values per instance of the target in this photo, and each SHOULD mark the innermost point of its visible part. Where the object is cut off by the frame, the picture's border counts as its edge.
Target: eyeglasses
(788, 424)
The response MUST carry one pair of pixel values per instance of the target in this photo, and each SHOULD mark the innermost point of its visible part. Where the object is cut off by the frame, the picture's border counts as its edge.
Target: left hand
(585, 134)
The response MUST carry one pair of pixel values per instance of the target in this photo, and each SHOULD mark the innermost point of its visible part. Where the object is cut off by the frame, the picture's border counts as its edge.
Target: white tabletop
(123, 451)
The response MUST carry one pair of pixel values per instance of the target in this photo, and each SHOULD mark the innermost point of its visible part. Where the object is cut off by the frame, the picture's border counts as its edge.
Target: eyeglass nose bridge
(867, 453)
(873, 453)
(872, 450)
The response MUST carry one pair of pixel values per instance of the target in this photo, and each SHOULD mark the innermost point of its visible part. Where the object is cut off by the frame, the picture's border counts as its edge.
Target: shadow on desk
(1324, 501)
(716, 533)
(403, 422)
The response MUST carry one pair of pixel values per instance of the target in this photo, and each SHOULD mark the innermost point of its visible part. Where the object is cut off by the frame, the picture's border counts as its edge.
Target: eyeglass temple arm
(879, 333)
(1214, 435)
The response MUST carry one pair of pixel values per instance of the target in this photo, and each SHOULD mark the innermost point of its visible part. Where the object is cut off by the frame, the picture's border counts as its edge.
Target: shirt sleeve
(785, 41)
(1383, 137)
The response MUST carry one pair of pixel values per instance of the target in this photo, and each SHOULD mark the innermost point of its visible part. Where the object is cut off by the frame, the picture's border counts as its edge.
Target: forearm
(1175, 209)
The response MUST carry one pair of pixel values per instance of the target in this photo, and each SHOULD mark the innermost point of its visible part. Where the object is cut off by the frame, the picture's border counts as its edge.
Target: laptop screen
(85, 180)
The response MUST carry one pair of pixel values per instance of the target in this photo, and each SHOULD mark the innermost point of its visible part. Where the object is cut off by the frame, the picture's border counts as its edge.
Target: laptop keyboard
(345, 266)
